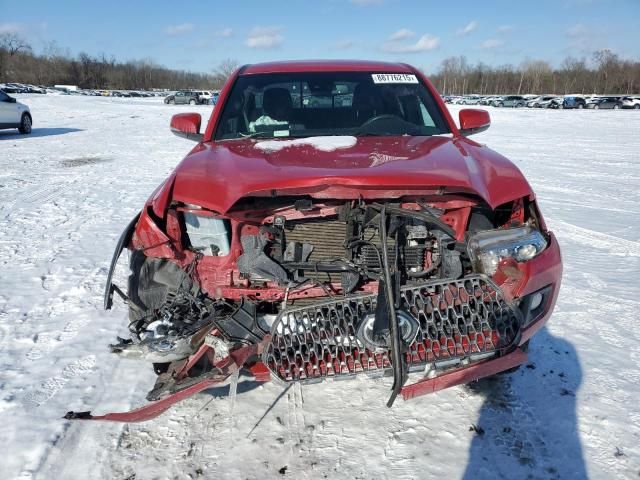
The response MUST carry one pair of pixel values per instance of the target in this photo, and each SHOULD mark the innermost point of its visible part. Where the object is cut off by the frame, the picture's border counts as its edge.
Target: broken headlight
(486, 249)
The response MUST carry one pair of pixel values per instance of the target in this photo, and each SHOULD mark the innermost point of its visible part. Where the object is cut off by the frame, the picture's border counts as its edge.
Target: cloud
(425, 43)
(10, 28)
(577, 30)
(401, 34)
(364, 3)
(491, 43)
(468, 28)
(225, 32)
(265, 37)
(505, 29)
(180, 29)
(344, 44)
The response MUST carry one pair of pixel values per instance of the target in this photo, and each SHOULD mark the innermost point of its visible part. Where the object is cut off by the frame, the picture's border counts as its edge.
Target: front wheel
(25, 124)
(596, 107)
(636, 106)
(192, 102)
(616, 107)
(580, 106)
(171, 102)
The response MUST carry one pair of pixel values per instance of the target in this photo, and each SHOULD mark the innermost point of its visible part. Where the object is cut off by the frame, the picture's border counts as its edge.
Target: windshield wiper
(248, 135)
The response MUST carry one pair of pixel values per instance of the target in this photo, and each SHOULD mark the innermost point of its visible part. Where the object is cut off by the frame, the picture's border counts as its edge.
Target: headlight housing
(208, 234)
(487, 248)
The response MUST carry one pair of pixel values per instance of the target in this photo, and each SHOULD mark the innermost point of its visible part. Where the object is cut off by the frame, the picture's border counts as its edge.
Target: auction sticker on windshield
(394, 78)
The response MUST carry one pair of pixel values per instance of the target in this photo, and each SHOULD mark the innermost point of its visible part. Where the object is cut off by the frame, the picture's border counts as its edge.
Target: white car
(470, 100)
(535, 102)
(547, 102)
(14, 114)
(203, 96)
(631, 102)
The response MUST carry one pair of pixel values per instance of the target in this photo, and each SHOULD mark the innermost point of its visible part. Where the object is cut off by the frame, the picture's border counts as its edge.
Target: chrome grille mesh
(457, 318)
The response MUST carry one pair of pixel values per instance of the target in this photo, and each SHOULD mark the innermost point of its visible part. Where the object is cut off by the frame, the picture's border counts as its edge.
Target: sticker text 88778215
(394, 78)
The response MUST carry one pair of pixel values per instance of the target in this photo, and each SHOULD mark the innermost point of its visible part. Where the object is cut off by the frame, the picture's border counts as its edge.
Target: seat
(277, 104)
(366, 103)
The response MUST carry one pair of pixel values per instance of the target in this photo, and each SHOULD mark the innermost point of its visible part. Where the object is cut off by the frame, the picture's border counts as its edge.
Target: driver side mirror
(187, 125)
(473, 120)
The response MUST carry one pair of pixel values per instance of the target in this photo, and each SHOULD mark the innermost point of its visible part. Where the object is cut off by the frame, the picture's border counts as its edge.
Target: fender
(124, 240)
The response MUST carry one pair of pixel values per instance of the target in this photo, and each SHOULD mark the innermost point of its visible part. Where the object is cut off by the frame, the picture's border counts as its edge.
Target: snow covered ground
(67, 191)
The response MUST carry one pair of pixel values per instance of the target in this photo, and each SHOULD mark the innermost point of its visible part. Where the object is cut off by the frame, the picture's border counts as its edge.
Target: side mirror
(11, 100)
(473, 120)
(187, 125)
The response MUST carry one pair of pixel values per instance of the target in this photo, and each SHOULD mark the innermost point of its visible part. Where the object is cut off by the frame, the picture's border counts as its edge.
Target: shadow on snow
(527, 427)
(12, 134)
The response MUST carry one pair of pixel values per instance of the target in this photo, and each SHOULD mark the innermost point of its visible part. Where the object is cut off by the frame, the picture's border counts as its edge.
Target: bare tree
(13, 43)
(10, 45)
(223, 71)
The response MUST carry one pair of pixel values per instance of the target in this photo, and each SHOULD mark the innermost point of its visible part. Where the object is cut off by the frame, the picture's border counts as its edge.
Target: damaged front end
(433, 290)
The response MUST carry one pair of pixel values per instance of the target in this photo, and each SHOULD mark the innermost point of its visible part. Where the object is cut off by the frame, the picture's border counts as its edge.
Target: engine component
(242, 326)
(255, 263)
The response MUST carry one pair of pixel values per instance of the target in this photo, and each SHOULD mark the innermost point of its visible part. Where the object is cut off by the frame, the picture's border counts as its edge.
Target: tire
(192, 102)
(25, 124)
(499, 104)
(596, 107)
(636, 106)
(580, 106)
(616, 107)
(171, 102)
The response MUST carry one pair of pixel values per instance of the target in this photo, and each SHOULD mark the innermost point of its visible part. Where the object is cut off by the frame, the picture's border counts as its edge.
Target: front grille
(457, 318)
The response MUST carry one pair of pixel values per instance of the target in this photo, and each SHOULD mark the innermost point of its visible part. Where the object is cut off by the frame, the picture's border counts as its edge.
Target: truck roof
(326, 66)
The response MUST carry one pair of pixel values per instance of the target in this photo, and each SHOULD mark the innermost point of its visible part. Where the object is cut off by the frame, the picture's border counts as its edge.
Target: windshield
(327, 103)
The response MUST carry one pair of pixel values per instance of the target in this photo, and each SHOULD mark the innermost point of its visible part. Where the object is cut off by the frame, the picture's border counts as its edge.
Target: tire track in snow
(41, 195)
(602, 241)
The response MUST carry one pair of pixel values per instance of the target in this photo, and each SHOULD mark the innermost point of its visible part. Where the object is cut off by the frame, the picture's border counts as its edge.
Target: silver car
(514, 101)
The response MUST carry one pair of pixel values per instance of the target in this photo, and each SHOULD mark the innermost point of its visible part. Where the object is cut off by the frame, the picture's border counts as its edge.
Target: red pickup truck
(332, 221)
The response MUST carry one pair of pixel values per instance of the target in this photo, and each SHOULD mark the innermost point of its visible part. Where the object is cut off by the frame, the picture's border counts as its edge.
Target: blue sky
(196, 35)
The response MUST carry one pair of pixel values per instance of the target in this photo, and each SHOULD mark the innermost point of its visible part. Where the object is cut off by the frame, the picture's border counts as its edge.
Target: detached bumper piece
(459, 321)
(178, 385)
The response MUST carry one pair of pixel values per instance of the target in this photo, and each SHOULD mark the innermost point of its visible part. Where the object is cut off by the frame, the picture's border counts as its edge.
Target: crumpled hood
(216, 175)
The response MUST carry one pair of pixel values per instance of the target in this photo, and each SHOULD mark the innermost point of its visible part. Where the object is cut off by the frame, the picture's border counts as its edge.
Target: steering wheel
(384, 116)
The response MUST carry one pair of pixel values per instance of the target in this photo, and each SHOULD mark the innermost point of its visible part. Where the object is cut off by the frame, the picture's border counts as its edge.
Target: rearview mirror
(187, 125)
(473, 120)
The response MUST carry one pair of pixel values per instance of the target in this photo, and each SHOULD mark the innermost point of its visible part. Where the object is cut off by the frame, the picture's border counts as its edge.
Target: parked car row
(548, 101)
(73, 90)
(192, 97)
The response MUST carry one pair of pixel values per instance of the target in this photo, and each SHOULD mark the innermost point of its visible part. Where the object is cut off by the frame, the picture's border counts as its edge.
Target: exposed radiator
(326, 235)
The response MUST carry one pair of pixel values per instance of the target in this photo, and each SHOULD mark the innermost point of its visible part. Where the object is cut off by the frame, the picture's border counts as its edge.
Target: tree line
(54, 66)
(604, 73)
